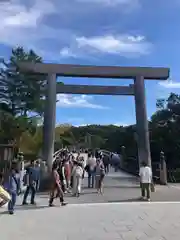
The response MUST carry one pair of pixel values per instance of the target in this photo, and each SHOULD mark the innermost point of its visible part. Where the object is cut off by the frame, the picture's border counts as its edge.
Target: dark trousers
(32, 189)
(91, 177)
(71, 182)
(37, 185)
(12, 202)
(106, 166)
(56, 191)
(146, 190)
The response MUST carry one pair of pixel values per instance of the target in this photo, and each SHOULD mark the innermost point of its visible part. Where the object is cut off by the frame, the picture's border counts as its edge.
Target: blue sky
(99, 32)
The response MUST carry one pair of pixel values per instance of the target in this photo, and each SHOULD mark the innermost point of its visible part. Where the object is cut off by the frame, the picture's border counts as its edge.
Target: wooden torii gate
(138, 74)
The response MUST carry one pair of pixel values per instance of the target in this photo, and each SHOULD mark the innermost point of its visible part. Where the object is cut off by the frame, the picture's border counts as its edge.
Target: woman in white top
(77, 174)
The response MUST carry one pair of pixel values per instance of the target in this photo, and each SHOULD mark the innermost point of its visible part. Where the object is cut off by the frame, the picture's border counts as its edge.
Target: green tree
(21, 95)
(24, 91)
(165, 130)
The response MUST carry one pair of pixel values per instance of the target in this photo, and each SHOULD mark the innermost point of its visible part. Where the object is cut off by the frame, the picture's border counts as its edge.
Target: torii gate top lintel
(70, 70)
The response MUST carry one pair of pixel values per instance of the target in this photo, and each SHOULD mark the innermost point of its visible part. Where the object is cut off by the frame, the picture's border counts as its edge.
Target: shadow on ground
(30, 207)
(121, 187)
(125, 200)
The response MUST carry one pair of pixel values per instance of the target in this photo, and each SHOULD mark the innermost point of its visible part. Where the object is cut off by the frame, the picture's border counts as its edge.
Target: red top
(67, 170)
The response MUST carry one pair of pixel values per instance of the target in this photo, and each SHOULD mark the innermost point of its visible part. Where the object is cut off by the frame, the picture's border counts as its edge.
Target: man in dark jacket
(31, 182)
(106, 162)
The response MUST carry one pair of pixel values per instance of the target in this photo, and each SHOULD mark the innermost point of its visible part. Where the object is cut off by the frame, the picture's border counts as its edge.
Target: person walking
(72, 166)
(62, 174)
(145, 174)
(78, 156)
(38, 174)
(106, 161)
(13, 187)
(77, 174)
(90, 168)
(31, 182)
(56, 188)
(100, 174)
(67, 169)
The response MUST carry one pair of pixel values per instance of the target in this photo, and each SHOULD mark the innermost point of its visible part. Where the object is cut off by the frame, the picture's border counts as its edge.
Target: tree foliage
(21, 96)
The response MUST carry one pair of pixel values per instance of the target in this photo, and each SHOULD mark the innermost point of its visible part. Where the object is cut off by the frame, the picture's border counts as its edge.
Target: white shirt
(78, 171)
(145, 174)
(91, 162)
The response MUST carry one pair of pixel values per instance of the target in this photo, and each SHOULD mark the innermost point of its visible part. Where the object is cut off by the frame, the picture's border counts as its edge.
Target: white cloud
(80, 125)
(13, 13)
(169, 84)
(82, 122)
(121, 124)
(113, 3)
(125, 6)
(24, 25)
(115, 124)
(77, 101)
(122, 45)
(66, 52)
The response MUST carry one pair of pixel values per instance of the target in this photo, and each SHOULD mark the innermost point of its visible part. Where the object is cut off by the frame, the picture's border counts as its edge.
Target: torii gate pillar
(141, 121)
(49, 120)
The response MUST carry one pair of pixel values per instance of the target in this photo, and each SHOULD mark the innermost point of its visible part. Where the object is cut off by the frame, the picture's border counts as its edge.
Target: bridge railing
(56, 154)
(105, 151)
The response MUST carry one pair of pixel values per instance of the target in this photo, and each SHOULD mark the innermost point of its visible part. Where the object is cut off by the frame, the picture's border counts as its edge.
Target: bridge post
(141, 121)
(49, 120)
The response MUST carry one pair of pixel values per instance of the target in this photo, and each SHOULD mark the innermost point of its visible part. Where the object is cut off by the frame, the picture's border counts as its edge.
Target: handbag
(87, 168)
(4, 195)
(153, 187)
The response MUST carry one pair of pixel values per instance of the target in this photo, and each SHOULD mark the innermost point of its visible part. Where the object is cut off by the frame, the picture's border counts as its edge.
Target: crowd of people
(68, 173)
(67, 176)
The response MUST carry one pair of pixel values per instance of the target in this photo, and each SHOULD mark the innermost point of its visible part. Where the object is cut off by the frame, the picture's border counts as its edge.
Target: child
(4, 196)
(12, 187)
